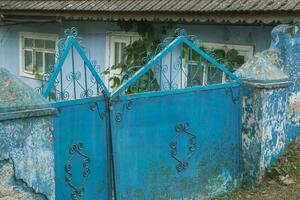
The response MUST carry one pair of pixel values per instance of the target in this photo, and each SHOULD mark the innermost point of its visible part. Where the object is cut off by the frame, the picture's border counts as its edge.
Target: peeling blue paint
(26, 149)
(271, 102)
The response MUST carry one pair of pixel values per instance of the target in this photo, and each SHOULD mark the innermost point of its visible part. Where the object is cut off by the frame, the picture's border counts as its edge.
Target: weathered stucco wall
(271, 98)
(286, 38)
(26, 159)
(26, 149)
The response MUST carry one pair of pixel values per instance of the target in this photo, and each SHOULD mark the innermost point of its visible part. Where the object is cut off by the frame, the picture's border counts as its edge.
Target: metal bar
(85, 78)
(58, 67)
(160, 73)
(91, 68)
(171, 69)
(181, 69)
(189, 79)
(73, 71)
(179, 91)
(77, 102)
(61, 84)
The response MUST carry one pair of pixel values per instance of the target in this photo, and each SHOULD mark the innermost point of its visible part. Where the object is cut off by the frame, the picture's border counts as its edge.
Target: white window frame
(35, 36)
(111, 36)
(244, 50)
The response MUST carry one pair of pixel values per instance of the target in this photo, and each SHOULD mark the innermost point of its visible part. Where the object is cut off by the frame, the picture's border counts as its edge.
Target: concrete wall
(26, 159)
(271, 101)
(94, 35)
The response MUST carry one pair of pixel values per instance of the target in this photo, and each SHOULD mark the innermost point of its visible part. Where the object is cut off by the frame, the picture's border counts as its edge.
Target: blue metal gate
(183, 140)
(171, 131)
(81, 129)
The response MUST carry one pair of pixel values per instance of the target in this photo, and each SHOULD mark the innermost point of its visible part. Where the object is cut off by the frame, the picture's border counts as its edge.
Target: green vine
(39, 77)
(135, 52)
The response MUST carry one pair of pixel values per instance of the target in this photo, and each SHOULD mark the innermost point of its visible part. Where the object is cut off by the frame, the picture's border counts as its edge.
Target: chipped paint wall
(26, 149)
(271, 117)
(26, 159)
(286, 38)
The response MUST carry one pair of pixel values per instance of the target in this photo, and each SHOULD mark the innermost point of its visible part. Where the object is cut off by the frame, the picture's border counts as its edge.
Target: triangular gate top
(65, 47)
(166, 55)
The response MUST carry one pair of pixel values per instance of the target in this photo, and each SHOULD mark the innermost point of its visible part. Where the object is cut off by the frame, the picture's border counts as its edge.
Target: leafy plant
(38, 76)
(134, 57)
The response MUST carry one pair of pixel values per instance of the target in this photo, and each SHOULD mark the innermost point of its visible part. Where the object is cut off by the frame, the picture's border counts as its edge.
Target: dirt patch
(282, 181)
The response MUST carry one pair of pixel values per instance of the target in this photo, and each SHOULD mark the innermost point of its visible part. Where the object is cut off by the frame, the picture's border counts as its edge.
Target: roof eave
(211, 17)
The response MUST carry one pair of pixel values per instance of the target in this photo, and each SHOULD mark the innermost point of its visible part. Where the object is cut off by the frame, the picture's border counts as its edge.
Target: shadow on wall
(271, 101)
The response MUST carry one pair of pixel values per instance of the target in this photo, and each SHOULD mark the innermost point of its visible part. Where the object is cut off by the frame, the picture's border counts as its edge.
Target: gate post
(271, 108)
(264, 134)
(26, 142)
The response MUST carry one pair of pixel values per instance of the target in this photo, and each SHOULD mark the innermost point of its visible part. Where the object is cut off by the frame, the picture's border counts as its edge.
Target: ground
(282, 181)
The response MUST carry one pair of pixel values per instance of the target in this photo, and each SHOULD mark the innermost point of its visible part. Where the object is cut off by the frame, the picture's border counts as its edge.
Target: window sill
(25, 75)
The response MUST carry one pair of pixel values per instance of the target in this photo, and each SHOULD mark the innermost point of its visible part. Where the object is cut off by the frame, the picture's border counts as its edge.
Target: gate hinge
(235, 96)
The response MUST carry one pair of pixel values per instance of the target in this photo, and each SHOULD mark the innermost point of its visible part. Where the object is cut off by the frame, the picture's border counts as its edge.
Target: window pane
(50, 44)
(214, 75)
(40, 43)
(28, 42)
(28, 61)
(123, 45)
(49, 61)
(195, 74)
(38, 68)
(117, 53)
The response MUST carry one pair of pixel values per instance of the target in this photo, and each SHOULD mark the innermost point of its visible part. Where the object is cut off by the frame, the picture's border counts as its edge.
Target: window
(37, 53)
(115, 44)
(235, 55)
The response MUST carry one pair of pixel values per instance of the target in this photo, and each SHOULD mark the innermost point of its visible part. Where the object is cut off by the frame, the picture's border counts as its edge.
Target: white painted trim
(32, 35)
(108, 39)
(244, 50)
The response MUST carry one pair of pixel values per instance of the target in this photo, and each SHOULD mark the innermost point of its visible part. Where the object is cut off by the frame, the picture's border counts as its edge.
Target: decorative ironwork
(77, 191)
(118, 117)
(235, 97)
(182, 130)
(182, 66)
(129, 105)
(78, 81)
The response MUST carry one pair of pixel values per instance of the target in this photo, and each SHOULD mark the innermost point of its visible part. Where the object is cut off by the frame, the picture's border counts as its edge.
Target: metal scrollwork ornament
(77, 191)
(182, 130)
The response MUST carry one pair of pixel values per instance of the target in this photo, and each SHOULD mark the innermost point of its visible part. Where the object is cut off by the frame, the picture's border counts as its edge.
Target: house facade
(30, 30)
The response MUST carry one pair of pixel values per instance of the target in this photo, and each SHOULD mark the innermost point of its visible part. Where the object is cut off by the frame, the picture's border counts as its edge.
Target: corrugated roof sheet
(219, 11)
(155, 5)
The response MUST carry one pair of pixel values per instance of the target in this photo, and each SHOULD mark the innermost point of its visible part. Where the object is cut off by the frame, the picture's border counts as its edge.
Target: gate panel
(178, 145)
(81, 128)
(81, 150)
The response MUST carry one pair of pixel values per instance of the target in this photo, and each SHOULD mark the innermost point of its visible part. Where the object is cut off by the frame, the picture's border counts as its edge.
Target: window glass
(28, 42)
(214, 75)
(39, 62)
(49, 61)
(28, 61)
(123, 45)
(117, 53)
(50, 44)
(40, 43)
